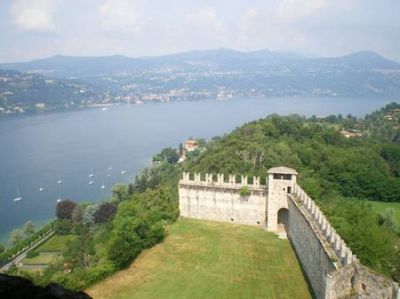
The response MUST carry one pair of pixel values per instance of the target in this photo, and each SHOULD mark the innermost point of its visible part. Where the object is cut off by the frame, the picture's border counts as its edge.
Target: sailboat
(41, 189)
(59, 198)
(103, 186)
(91, 182)
(91, 174)
(59, 181)
(123, 171)
(18, 198)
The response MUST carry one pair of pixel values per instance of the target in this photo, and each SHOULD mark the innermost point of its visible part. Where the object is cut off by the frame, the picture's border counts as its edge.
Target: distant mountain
(221, 59)
(20, 92)
(364, 60)
(62, 81)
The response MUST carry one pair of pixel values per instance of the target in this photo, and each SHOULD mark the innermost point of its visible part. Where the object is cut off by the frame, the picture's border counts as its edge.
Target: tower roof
(282, 170)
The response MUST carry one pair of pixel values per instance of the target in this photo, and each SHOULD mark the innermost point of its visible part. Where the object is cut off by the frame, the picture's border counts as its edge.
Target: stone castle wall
(220, 200)
(331, 268)
(318, 247)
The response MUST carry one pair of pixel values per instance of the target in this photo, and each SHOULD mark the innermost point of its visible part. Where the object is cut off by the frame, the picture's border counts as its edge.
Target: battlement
(282, 206)
(342, 251)
(220, 181)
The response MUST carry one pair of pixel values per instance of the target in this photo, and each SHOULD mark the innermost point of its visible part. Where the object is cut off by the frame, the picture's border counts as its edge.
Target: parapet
(219, 180)
(339, 246)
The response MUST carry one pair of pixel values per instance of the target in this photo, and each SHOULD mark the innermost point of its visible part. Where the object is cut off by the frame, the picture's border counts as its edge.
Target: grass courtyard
(201, 259)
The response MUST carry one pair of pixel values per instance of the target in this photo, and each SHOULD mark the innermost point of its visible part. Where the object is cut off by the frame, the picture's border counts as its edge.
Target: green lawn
(55, 244)
(41, 259)
(381, 207)
(201, 259)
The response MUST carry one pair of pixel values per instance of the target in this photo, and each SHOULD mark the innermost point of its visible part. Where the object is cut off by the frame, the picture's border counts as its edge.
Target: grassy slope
(203, 259)
(41, 259)
(55, 244)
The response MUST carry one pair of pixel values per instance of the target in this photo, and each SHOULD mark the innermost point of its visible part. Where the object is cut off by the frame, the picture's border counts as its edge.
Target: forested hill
(363, 166)
(341, 173)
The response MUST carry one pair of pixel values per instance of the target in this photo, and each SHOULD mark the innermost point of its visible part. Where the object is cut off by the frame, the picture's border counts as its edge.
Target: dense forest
(341, 173)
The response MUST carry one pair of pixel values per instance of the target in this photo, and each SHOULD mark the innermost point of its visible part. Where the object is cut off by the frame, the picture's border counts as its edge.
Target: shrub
(244, 191)
(65, 208)
(32, 254)
(63, 227)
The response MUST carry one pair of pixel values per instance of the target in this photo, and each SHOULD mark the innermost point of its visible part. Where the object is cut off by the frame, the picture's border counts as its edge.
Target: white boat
(103, 187)
(110, 167)
(59, 181)
(41, 189)
(104, 109)
(18, 198)
(108, 174)
(91, 182)
(123, 171)
(59, 199)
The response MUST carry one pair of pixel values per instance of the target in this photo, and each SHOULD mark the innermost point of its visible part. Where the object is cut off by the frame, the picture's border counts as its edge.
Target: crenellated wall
(331, 268)
(206, 198)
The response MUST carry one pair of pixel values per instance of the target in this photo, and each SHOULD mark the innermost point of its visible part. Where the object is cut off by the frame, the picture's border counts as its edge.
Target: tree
(63, 227)
(105, 211)
(120, 192)
(131, 189)
(29, 229)
(77, 214)
(65, 208)
(1, 249)
(167, 154)
(17, 235)
(88, 215)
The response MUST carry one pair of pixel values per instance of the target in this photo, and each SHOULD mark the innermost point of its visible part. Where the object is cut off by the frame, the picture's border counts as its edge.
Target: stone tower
(281, 181)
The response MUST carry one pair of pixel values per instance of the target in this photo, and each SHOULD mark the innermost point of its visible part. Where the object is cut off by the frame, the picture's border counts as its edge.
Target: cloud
(34, 15)
(122, 15)
(291, 10)
(261, 28)
(206, 20)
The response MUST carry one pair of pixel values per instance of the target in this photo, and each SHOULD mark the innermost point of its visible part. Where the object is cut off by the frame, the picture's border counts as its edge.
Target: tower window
(280, 176)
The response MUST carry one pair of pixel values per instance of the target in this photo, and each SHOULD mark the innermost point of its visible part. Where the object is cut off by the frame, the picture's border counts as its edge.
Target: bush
(63, 227)
(31, 254)
(65, 209)
(244, 191)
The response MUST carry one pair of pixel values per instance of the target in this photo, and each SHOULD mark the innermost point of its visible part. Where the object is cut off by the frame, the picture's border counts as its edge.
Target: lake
(37, 151)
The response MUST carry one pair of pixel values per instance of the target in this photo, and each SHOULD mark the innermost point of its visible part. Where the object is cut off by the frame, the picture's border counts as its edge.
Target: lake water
(37, 151)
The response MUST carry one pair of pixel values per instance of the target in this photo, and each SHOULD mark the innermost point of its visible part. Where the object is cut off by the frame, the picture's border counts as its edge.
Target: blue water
(37, 151)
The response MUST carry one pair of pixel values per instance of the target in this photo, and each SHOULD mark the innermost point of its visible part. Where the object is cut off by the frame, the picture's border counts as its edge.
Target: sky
(32, 29)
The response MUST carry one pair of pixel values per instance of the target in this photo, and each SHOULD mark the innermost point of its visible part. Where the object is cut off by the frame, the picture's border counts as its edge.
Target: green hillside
(201, 259)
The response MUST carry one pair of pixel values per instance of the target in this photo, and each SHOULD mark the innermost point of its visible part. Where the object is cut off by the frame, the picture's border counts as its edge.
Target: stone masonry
(332, 270)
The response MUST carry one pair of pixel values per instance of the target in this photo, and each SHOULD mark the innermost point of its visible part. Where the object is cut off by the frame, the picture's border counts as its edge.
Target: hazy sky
(31, 29)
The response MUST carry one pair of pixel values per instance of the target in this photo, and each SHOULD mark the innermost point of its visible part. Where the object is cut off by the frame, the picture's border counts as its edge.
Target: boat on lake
(18, 198)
